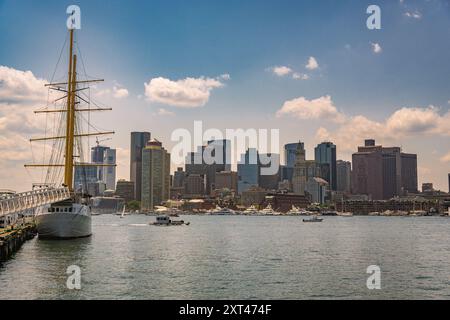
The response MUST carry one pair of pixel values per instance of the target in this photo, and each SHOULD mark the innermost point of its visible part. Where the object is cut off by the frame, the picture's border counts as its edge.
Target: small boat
(218, 211)
(345, 214)
(250, 211)
(313, 219)
(165, 221)
(298, 212)
(268, 211)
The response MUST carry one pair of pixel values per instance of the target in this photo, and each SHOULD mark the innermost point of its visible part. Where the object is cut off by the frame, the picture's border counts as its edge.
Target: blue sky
(131, 42)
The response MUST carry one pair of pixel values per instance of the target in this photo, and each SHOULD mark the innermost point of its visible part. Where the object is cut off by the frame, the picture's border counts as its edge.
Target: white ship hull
(64, 225)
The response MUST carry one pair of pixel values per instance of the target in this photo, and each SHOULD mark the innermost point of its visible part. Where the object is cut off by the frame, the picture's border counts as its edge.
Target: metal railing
(15, 203)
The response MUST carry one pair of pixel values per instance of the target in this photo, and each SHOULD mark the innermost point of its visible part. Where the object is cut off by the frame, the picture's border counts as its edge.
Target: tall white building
(109, 173)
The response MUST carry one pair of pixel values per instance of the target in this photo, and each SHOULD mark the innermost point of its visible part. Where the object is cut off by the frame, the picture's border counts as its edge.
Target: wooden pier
(13, 237)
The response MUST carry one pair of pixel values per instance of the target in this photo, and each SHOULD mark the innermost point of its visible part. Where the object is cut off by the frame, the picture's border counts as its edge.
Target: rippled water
(239, 258)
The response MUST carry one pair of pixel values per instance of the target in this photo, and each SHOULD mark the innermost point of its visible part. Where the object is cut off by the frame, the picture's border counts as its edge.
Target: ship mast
(70, 110)
(70, 126)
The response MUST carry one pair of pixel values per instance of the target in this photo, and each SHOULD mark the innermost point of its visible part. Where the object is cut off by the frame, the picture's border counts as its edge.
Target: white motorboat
(250, 211)
(218, 211)
(268, 211)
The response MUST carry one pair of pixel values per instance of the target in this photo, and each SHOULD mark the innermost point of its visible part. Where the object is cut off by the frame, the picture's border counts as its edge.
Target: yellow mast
(70, 125)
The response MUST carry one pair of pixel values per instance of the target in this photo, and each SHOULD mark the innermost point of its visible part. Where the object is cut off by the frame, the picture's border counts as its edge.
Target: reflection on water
(238, 258)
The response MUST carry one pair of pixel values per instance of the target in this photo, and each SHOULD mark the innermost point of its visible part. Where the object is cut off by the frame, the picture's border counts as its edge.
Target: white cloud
(20, 94)
(312, 64)
(413, 14)
(117, 92)
(300, 76)
(120, 93)
(376, 48)
(164, 112)
(21, 86)
(403, 123)
(185, 93)
(302, 108)
(281, 71)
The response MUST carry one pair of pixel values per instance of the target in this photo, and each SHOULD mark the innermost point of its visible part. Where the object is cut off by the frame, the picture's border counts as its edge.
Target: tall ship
(71, 109)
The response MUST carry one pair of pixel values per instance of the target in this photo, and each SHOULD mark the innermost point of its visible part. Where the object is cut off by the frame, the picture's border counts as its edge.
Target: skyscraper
(383, 172)
(343, 177)
(248, 170)
(109, 172)
(155, 175)
(303, 170)
(138, 142)
(198, 162)
(290, 151)
(325, 155)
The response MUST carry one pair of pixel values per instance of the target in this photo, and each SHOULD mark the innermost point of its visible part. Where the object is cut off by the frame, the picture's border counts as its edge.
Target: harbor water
(239, 257)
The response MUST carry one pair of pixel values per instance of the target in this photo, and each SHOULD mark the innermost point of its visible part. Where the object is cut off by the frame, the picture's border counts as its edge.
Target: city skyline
(391, 85)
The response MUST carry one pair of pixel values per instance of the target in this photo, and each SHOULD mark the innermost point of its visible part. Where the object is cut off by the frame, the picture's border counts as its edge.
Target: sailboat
(70, 218)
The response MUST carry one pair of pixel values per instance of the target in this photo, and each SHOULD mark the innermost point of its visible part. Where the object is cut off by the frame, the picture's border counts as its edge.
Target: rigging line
(60, 56)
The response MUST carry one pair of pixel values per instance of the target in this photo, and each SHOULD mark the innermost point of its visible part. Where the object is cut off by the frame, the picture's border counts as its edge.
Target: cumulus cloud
(185, 93)
(20, 86)
(302, 108)
(21, 92)
(403, 123)
(281, 71)
(376, 48)
(117, 92)
(312, 64)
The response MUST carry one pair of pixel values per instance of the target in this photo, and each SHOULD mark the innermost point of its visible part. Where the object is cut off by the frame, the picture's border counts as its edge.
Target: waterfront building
(96, 189)
(125, 190)
(109, 172)
(138, 143)
(317, 189)
(194, 185)
(248, 170)
(178, 178)
(383, 173)
(343, 176)
(269, 181)
(253, 196)
(283, 202)
(325, 156)
(155, 175)
(227, 180)
(303, 170)
(409, 173)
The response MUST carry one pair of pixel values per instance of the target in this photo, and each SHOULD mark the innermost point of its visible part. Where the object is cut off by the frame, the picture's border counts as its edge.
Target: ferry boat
(313, 219)
(165, 221)
(70, 218)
